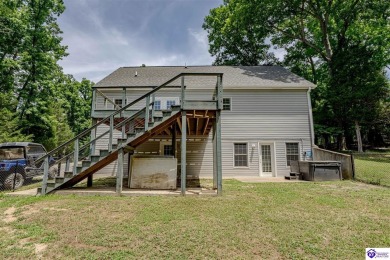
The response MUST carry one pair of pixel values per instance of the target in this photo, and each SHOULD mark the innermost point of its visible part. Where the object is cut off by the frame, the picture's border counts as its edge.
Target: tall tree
(314, 34)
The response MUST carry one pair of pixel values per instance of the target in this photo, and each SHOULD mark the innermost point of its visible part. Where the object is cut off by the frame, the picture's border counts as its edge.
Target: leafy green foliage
(41, 103)
(342, 45)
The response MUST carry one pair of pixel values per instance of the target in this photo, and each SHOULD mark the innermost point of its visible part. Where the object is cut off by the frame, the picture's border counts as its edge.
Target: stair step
(79, 169)
(86, 163)
(176, 107)
(150, 124)
(130, 135)
(59, 179)
(294, 174)
(95, 158)
(158, 118)
(114, 146)
(51, 184)
(139, 130)
(104, 153)
(291, 177)
(167, 113)
(68, 174)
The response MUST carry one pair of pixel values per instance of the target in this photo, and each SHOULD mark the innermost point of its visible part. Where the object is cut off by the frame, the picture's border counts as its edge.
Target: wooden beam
(197, 126)
(179, 123)
(205, 126)
(167, 131)
(189, 126)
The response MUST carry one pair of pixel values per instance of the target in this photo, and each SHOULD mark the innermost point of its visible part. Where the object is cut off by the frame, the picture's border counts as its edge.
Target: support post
(183, 94)
(93, 136)
(75, 156)
(123, 112)
(147, 113)
(45, 175)
(218, 151)
(174, 140)
(214, 157)
(67, 164)
(90, 180)
(111, 133)
(311, 124)
(119, 174)
(218, 137)
(153, 100)
(93, 105)
(183, 152)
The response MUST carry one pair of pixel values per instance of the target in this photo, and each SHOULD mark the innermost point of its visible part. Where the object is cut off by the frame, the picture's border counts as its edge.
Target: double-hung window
(170, 103)
(292, 152)
(157, 105)
(227, 104)
(240, 155)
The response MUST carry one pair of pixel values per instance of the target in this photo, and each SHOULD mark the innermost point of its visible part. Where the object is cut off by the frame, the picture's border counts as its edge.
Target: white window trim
(273, 161)
(231, 106)
(247, 155)
(285, 151)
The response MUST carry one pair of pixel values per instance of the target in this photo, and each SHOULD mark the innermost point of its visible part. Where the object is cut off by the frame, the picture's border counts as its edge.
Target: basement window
(227, 104)
(168, 150)
(240, 155)
(292, 152)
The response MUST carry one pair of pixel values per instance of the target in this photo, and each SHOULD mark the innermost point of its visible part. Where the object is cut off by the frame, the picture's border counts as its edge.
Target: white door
(266, 159)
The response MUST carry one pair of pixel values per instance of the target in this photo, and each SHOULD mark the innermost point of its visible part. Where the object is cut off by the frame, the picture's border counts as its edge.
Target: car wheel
(9, 181)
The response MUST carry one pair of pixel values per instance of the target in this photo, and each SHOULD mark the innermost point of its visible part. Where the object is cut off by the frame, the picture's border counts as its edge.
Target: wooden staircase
(82, 160)
(102, 158)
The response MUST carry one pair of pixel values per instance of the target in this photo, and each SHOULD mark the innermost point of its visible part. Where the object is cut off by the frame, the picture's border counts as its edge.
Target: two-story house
(266, 119)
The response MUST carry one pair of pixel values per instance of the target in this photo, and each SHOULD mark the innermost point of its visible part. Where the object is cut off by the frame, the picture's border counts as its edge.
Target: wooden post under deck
(119, 174)
(174, 140)
(218, 135)
(183, 152)
(90, 181)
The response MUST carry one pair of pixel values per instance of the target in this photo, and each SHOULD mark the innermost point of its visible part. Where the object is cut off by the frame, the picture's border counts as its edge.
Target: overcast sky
(103, 35)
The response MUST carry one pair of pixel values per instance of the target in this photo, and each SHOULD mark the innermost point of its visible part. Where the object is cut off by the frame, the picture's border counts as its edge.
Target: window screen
(292, 152)
(240, 155)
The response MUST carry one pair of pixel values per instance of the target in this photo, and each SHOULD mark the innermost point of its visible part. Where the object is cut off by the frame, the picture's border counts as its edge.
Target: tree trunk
(358, 137)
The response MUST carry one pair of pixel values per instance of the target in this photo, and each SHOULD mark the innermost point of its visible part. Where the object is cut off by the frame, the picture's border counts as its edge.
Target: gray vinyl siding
(271, 116)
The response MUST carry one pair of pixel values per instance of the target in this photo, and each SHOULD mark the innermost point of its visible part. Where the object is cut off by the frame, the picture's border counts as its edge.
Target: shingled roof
(234, 77)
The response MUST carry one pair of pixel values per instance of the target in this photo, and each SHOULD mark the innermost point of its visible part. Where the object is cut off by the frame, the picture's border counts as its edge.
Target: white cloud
(102, 37)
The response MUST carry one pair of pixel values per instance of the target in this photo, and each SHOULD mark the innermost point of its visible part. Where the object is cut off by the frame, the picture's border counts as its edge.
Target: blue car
(17, 163)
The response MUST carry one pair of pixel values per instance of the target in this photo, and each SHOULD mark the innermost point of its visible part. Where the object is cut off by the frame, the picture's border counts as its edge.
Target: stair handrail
(183, 74)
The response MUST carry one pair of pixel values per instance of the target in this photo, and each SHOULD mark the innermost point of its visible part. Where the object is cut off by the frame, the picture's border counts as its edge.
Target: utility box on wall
(153, 172)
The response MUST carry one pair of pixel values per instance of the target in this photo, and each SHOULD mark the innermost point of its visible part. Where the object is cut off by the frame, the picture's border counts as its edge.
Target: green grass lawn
(251, 220)
(374, 170)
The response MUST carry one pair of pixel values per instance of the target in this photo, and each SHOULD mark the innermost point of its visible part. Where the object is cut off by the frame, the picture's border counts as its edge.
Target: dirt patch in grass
(9, 215)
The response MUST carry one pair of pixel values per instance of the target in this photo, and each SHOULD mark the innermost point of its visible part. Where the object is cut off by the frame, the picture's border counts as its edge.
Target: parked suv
(17, 163)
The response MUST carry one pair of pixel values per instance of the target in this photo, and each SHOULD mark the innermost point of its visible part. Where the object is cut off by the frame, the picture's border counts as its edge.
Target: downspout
(311, 124)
